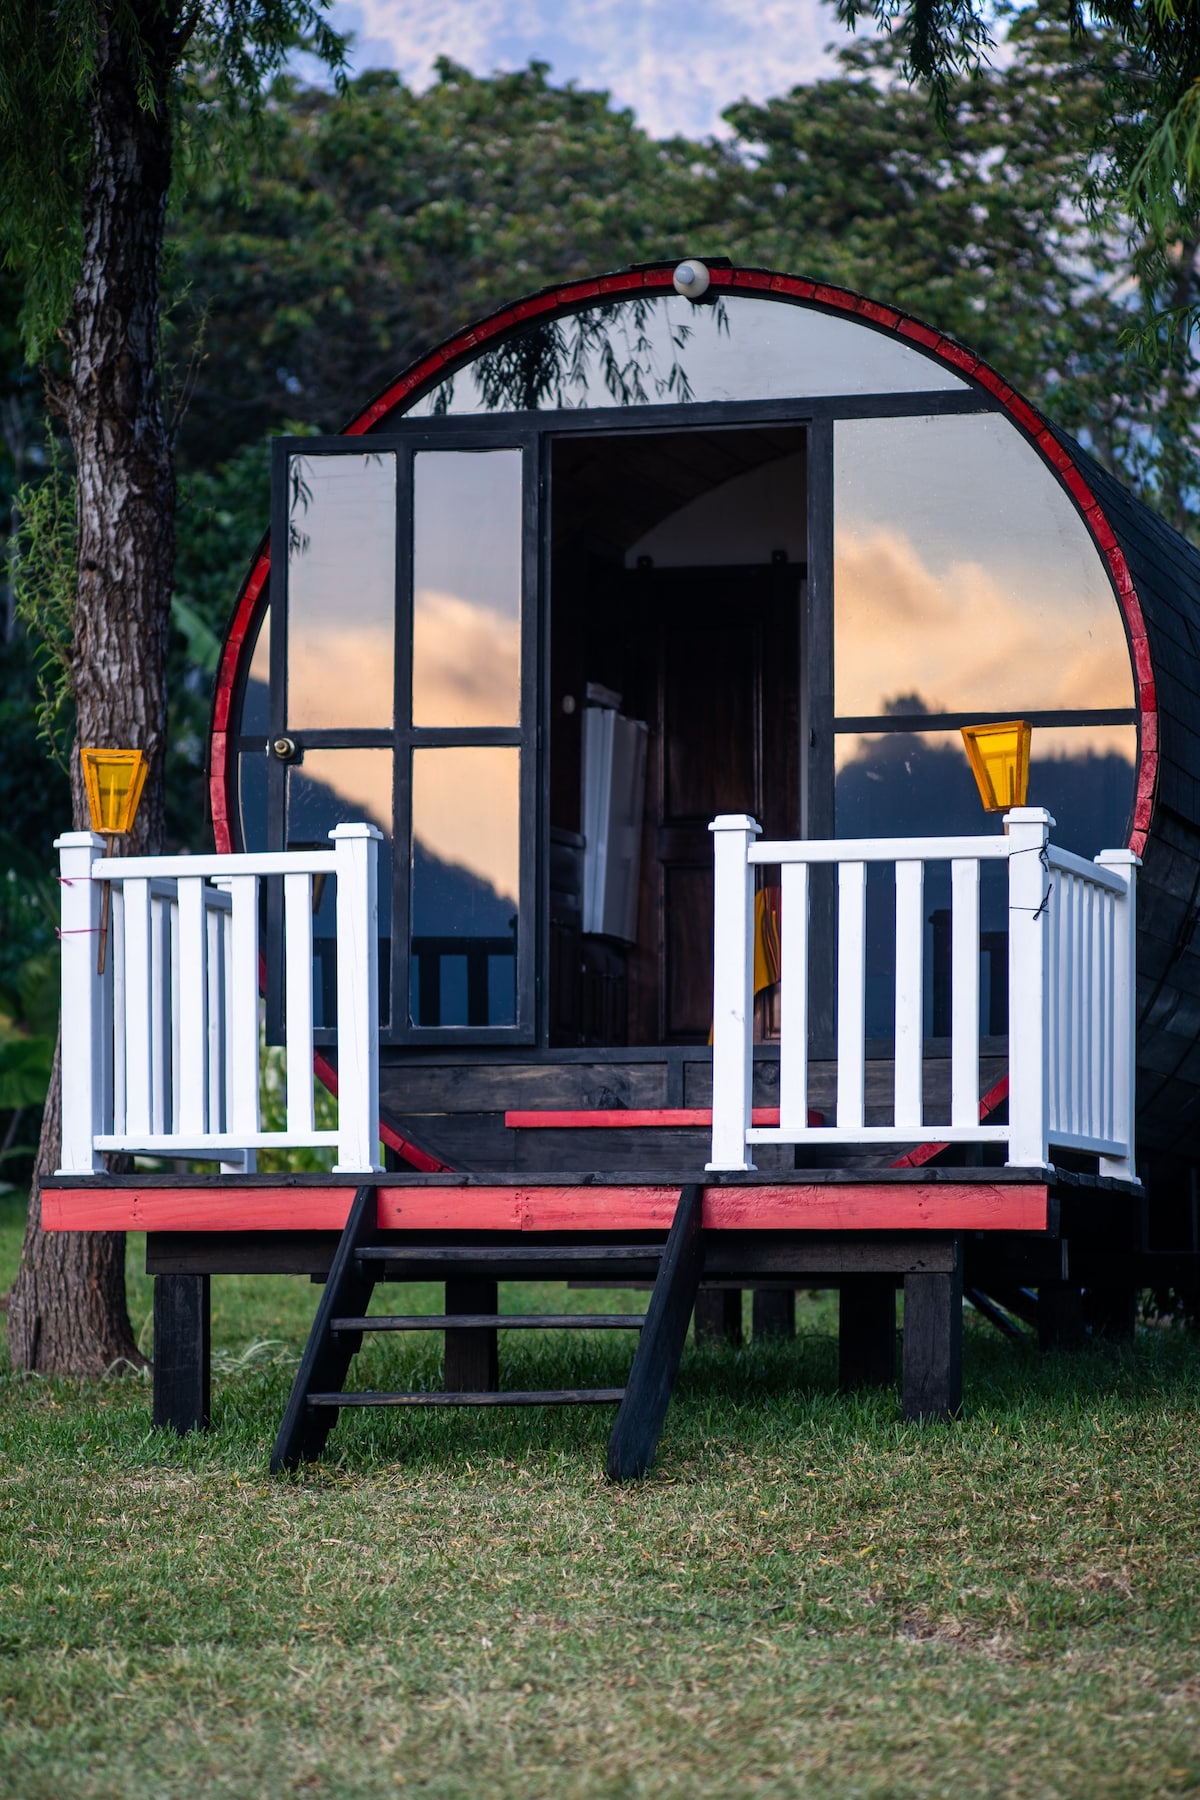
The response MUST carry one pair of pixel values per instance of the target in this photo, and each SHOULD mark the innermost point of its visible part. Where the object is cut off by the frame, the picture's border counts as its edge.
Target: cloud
(677, 67)
(963, 640)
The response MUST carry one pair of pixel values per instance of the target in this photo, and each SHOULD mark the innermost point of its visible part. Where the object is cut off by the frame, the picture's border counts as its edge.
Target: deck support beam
(931, 1377)
(182, 1399)
(867, 1332)
(774, 1313)
(717, 1319)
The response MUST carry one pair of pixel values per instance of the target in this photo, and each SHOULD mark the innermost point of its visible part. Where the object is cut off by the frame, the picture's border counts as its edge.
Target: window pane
(336, 787)
(964, 578)
(341, 590)
(909, 784)
(467, 588)
(663, 350)
(256, 716)
(252, 798)
(465, 877)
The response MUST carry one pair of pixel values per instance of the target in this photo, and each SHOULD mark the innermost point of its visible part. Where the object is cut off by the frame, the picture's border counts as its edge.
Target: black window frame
(533, 432)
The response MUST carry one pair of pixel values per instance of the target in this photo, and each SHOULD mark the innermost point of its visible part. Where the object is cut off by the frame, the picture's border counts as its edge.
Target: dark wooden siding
(1166, 573)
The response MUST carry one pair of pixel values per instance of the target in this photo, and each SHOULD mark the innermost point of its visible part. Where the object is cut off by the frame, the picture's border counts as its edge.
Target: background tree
(90, 94)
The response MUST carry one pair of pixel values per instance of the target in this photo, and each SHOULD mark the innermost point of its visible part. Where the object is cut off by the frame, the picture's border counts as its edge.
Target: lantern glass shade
(999, 758)
(114, 780)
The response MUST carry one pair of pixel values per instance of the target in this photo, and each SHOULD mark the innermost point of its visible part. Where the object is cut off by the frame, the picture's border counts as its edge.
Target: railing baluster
(241, 1024)
(1123, 863)
(851, 994)
(1028, 833)
(298, 962)
(173, 1023)
(84, 1013)
(138, 1000)
(116, 956)
(964, 992)
(355, 848)
(217, 1110)
(793, 997)
(193, 960)
(160, 1036)
(733, 990)
(910, 993)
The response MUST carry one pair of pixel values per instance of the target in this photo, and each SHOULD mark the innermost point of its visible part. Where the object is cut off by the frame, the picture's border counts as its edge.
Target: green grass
(808, 1597)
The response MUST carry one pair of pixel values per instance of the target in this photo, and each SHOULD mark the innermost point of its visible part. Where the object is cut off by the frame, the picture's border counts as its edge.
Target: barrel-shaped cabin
(619, 560)
(591, 802)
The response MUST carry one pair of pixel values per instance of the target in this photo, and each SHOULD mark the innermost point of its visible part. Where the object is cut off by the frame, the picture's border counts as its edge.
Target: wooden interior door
(721, 657)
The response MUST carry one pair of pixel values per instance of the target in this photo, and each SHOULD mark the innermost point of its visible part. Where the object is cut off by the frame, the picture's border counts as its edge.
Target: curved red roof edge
(657, 278)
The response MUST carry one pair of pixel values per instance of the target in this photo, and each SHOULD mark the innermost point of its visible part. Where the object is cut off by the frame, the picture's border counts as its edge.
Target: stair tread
(547, 1397)
(491, 1321)
(502, 1253)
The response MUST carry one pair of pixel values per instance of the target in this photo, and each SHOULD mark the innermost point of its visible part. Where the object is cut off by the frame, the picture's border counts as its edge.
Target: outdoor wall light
(113, 780)
(999, 758)
(691, 280)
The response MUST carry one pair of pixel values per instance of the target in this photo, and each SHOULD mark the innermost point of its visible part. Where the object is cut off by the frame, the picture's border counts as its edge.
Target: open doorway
(677, 580)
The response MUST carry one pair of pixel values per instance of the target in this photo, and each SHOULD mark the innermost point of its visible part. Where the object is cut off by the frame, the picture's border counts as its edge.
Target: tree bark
(67, 1313)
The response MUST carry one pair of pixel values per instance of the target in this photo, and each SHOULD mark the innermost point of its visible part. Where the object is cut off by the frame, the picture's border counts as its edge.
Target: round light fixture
(691, 279)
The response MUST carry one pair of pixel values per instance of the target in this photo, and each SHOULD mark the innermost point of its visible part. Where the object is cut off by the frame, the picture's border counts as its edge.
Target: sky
(676, 65)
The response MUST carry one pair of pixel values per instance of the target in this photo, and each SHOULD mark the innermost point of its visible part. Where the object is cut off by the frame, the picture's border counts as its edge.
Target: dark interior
(700, 638)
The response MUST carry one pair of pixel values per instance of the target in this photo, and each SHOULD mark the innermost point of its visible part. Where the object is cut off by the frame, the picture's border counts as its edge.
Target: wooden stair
(366, 1256)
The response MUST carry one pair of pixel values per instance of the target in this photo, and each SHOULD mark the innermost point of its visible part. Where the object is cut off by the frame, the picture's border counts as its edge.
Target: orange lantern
(114, 780)
(999, 758)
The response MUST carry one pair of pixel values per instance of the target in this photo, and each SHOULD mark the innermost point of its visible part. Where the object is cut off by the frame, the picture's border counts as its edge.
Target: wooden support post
(1111, 1312)
(932, 1360)
(1060, 1316)
(182, 1360)
(774, 1313)
(718, 1316)
(472, 1361)
(867, 1332)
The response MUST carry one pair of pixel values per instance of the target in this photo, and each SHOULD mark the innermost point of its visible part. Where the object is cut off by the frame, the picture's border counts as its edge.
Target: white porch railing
(160, 1053)
(1071, 932)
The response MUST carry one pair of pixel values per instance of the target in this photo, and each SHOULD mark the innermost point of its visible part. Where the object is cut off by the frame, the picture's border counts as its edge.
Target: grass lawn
(807, 1597)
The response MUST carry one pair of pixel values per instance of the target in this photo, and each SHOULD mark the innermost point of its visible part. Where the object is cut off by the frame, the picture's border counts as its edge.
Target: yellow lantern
(114, 780)
(999, 758)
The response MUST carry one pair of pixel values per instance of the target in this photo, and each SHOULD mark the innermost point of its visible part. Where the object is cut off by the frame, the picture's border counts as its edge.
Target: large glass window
(965, 580)
(341, 581)
(662, 350)
(466, 868)
(467, 588)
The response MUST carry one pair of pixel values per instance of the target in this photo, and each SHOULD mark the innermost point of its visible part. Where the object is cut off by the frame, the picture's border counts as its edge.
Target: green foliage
(221, 52)
(369, 224)
(29, 987)
(44, 577)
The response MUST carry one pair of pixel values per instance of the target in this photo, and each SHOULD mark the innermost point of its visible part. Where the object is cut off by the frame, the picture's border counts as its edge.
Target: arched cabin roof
(1070, 465)
(1155, 576)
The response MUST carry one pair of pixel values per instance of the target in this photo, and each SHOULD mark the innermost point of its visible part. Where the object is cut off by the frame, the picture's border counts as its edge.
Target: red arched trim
(462, 348)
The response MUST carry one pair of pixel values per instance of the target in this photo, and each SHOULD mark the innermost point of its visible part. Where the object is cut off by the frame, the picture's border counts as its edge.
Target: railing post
(83, 1011)
(1029, 899)
(733, 989)
(1124, 1045)
(356, 857)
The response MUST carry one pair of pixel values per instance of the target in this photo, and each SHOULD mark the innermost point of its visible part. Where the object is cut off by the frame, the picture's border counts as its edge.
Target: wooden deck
(922, 1200)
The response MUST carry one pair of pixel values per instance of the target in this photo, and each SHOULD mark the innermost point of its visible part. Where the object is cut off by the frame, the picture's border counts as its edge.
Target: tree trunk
(67, 1309)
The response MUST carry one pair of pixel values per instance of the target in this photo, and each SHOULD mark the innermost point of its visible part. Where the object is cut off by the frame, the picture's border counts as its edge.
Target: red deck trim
(616, 1118)
(790, 1206)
